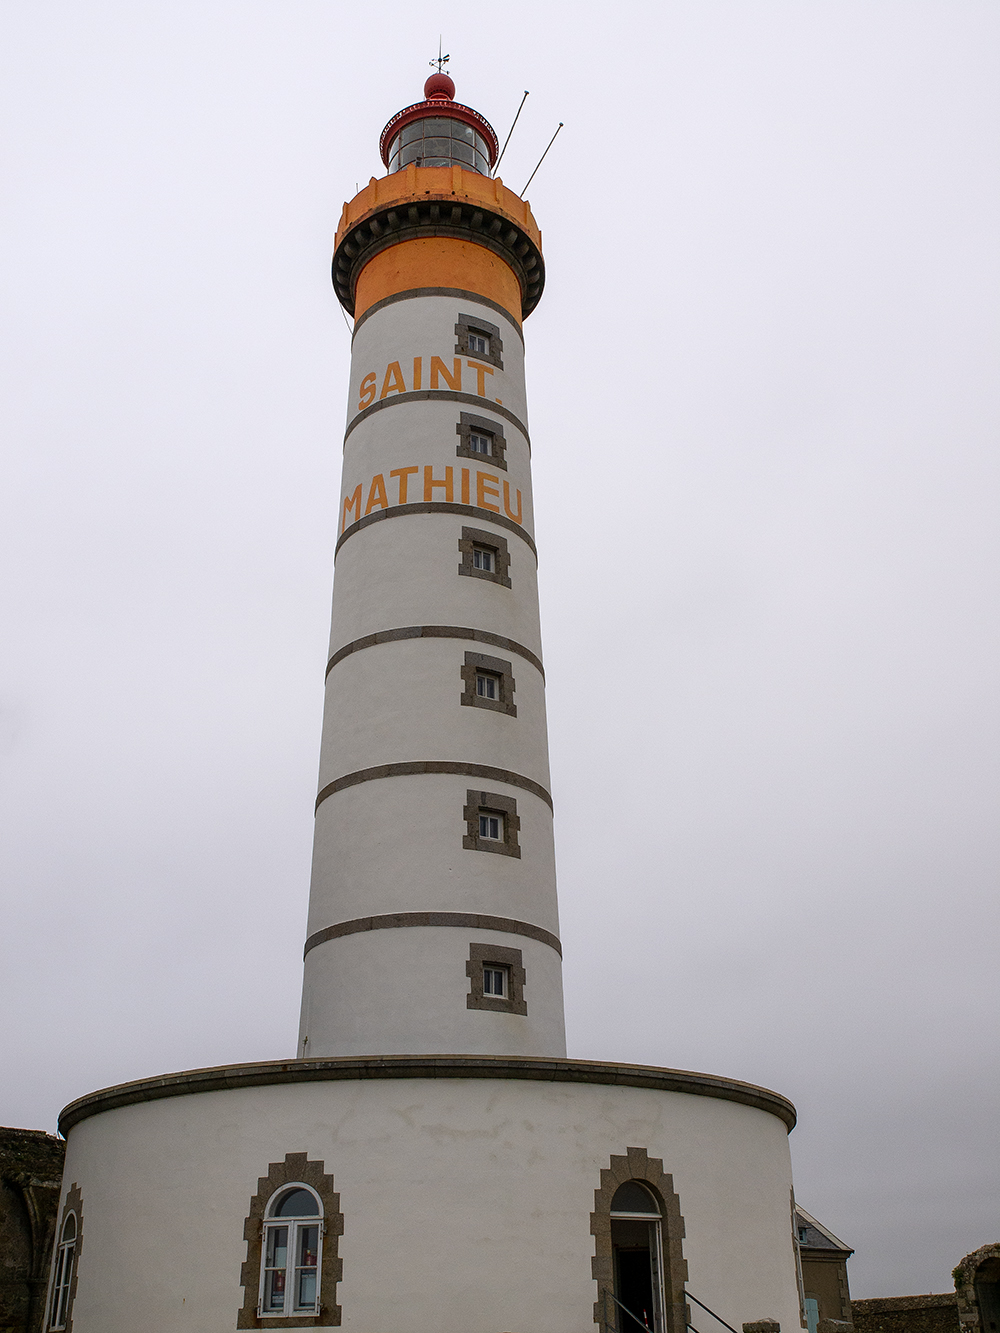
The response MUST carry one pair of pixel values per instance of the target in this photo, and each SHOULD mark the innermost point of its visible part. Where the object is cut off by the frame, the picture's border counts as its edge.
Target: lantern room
(439, 132)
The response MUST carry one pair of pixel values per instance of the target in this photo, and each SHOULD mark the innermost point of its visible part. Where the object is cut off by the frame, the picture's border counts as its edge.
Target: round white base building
(457, 1195)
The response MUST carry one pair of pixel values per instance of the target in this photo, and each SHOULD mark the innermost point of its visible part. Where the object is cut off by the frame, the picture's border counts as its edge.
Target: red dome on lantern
(440, 85)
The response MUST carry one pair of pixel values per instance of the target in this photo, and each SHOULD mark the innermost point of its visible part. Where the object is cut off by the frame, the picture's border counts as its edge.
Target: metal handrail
(608, 1292)
(694, 1298)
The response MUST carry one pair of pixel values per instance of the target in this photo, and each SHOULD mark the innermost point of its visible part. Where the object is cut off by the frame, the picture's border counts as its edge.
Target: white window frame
(486, 438)
(655, 1221)
(294, 1225)
(487, 560)
(487, 815)
(62, 1277)
(474, 336)
(484, 679)
(503, 972)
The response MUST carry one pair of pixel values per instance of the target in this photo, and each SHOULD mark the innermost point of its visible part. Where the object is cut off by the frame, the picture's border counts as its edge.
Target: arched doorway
(977, 1284)
(638, 1262)
(637, 1248)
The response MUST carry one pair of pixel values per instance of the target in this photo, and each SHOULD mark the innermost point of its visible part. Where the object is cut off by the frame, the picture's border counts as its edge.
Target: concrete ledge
(420, 767)
(505, 925)
(426, 1066)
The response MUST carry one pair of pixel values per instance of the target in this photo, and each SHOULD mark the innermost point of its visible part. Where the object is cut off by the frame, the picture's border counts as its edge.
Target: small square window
(488, 682)
(478, 337)
(484, 555)
(479, 438)
(491, 827)
(495, 980)
(487, 687)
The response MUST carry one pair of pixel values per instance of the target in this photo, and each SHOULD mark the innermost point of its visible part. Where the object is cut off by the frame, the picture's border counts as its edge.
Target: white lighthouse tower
(431, 1161)
(433, 922)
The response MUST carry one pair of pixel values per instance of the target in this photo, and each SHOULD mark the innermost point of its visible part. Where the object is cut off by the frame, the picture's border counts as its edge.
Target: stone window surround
(294, 1170)
(73, 1203)
(469, 422)
(494, 666)
(474, 324)
(498, 545)
(638, 1165)
(489, 802)
(483, 955)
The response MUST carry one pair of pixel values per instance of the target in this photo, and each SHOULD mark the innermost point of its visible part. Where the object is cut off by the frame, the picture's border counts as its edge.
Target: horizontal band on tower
(436, 507)
(459, 293)
(469, 920)
(420, 766)
(435, 632)
(439, 396)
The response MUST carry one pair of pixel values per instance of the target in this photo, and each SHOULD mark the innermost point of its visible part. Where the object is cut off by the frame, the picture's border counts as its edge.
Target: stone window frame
(498, 545)
(73, 1203)
(494, 666)
(296, 1169)
(474, 324)
(636, 1164)
(484, 955)
(467, 423)
(489, 802)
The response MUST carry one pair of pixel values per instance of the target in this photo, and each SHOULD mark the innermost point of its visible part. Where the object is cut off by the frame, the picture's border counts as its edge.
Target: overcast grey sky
(764, 405)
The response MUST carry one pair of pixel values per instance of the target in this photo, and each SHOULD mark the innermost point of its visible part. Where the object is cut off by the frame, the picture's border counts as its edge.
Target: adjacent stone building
(823, 1260)
(31, 1164)
(973, 1307)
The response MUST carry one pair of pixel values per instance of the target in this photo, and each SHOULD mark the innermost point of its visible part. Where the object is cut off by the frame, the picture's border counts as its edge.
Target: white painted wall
(402, 700)
(387, 579)
(421, 988)
(424, 327)
(395, 845)
(466, 1202)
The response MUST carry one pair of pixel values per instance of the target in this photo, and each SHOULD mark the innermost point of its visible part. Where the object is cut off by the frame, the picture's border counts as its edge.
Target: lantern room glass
(439, 141)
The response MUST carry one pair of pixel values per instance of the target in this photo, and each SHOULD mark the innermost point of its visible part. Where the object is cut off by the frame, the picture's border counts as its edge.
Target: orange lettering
(352, 502)
(481, 373)
(448, 483)
(438, 368)
(465, 485)
(418, 371)
(397, 384)
(367, 391)
(506, 503)
(404, 474)
(482, 490)
(377, 495)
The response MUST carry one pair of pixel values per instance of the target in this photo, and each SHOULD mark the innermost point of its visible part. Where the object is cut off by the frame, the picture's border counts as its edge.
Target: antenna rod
(541, 160)
(510, 132)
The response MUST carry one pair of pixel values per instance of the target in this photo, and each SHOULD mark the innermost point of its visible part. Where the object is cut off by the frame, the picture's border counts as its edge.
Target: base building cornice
(354, 1068)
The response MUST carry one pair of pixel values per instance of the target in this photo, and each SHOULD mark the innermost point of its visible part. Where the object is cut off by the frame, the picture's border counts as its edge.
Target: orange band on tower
(438, 261)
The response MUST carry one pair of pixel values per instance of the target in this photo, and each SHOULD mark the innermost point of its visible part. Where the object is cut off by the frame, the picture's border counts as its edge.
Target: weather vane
(441, 60)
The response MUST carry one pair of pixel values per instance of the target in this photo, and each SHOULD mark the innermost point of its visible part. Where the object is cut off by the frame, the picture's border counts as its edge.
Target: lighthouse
(431, 1159)
(433, 924)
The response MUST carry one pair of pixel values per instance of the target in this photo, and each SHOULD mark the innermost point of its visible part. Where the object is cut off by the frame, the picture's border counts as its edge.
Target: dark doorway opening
(632, 1243)
(987, 1285)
